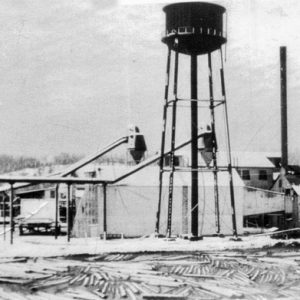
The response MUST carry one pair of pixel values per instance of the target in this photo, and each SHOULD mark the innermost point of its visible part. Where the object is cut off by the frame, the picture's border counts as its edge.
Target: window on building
(177, 160)
(262, 175)
(52, 194)
(245, 174)
(91, 174)
(288, 192)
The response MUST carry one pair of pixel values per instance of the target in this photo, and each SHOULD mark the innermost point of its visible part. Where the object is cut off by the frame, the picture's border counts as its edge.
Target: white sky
(74, 74)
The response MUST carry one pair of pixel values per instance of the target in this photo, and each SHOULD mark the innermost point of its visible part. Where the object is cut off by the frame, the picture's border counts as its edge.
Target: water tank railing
(187, 30)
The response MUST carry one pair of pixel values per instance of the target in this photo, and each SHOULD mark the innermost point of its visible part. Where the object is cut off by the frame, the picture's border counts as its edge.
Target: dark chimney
(283, 97)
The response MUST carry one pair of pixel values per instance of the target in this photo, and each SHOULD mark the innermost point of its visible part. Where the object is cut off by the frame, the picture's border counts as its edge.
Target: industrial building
(128, 200)
(132, 204)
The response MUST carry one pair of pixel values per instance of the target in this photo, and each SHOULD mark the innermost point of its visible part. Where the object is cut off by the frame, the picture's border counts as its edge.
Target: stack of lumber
(216, 275)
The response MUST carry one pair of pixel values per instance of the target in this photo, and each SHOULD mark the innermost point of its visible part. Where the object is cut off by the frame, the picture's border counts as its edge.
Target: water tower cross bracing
(193, 29)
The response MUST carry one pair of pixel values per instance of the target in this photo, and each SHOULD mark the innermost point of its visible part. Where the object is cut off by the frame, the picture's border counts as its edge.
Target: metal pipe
(56, 211)
(68, 214)
(283, 100)
(214, 145)
(173, 136)
(11, 213)
(163, 140)
(194, 145)
(94, 156)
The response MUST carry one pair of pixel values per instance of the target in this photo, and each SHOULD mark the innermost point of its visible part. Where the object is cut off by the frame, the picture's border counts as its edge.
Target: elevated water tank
(198, 27)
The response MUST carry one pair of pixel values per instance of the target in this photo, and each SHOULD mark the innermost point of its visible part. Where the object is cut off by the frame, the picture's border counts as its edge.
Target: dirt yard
(270, 272)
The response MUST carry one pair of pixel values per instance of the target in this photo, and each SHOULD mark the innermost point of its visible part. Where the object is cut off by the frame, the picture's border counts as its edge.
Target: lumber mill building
(132, 202)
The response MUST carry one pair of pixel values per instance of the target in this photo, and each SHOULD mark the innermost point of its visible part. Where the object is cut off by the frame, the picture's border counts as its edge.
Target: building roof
(275, 158)
(149, 176)
(296, 188)
(242, 159)
(293, 180)
(249, 159)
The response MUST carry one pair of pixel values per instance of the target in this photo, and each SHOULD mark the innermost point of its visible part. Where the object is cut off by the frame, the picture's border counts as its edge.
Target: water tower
(194, 29)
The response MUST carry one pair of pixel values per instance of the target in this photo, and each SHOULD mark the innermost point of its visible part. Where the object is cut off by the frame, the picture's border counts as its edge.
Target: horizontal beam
(197, 100)
(67, 180)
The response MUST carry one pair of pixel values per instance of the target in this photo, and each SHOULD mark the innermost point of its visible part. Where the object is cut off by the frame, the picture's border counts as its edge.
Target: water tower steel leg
(163, 140)
(68, 214)
(215, 149)
(173, 135)
(194, 146)
(233, 212)
(11, 214)
(56, 211)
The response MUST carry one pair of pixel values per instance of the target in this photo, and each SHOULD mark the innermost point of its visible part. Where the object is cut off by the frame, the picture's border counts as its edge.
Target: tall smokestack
(283, 98)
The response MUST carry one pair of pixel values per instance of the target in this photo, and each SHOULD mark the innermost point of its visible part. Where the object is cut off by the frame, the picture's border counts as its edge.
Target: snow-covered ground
(45, 246)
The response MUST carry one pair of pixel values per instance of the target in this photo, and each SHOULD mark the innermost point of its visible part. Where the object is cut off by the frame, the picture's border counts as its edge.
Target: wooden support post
(56, 211)
(104, 212)
(11, 214)
(297, 204)
(4, 217)
(68, 214)
(185, 210)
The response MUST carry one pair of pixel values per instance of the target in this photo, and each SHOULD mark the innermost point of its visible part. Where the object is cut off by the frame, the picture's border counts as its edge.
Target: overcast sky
(74, 74)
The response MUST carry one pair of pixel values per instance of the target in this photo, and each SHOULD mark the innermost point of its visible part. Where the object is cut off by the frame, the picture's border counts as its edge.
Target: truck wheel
(21, 230)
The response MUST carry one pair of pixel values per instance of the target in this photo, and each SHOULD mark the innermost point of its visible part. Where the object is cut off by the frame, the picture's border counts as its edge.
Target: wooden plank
(163, 297)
